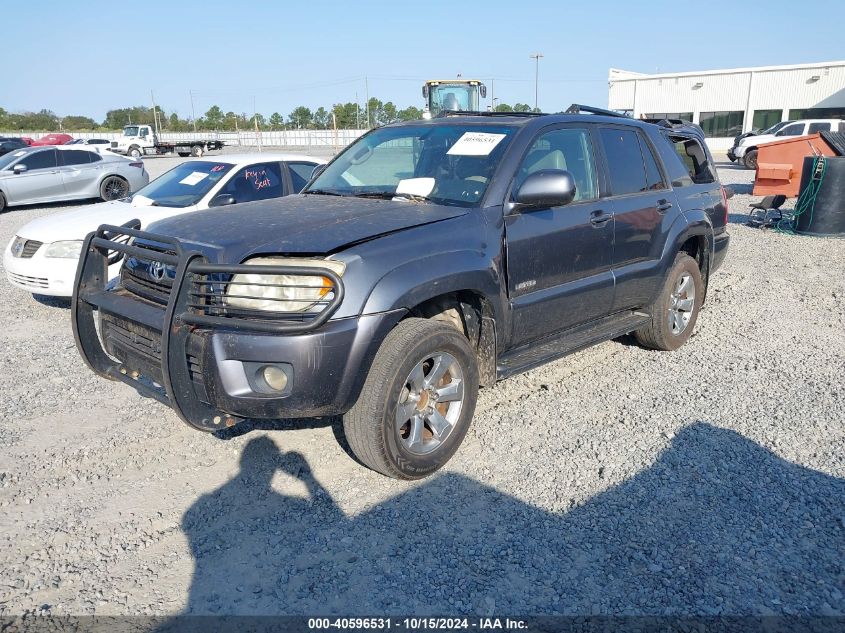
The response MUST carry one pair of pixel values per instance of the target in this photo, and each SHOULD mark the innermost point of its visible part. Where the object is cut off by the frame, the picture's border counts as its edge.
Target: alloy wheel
(430, 403)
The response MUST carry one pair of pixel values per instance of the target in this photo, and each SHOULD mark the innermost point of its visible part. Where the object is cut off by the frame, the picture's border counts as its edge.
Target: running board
(556, 346)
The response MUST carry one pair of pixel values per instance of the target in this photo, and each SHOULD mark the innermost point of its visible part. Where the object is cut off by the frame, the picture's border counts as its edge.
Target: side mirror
(19, 168)
(729, 192)
(546, 188)
(222, 200)
(425, 91)
(483, 91)
(319, 169)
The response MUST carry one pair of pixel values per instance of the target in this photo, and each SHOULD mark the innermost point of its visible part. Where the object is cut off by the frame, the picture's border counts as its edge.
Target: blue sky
(86, 57)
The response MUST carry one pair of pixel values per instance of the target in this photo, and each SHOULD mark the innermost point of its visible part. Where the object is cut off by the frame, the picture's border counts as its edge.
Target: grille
(30, 282)
(24, 248)
(114, 143)
(30, 247)
(157, 292)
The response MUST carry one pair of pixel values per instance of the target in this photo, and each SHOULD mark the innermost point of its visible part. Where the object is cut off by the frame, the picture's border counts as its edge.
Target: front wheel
(2, 202)
(674, 313)
(750, 159)
(114, 188)
(134, 152)
(196, 151)
(417, 401)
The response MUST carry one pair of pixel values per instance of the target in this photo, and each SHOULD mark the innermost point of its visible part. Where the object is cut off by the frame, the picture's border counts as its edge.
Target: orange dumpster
(779, 164)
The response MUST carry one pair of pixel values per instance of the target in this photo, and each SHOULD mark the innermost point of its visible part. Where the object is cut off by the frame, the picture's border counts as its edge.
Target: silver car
(66, 172)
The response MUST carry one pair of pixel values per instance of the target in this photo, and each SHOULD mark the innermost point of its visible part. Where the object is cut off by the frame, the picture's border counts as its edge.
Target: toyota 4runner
(427, 259)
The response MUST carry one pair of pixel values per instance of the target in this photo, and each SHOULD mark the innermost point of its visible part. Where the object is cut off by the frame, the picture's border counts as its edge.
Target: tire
(2, 202)
(750, 159)
(184, 154)
(134, 152)
(114, 188)
(410, 356)
(674, 313)
(196, 151)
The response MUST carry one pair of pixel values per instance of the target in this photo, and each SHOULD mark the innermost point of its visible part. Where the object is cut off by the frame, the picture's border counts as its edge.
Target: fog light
(275, 377)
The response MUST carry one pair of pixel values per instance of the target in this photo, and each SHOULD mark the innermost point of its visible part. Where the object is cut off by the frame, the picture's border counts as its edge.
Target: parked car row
(43, 255)
(427, 259)
(744, 150)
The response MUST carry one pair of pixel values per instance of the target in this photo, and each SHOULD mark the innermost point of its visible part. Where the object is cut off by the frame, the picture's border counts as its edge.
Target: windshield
(776, 127)
(131, 130)
(453, 97)
(12, 157)
(185, 184)
(446, 164)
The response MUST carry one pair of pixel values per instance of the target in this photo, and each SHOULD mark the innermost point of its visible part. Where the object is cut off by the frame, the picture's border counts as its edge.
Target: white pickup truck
(140, 140)
(745, 151)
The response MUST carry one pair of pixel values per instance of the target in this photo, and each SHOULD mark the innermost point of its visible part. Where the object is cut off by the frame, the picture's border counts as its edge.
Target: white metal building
(727, 102)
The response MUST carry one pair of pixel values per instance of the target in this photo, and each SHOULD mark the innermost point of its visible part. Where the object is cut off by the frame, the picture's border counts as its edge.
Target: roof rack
(493, 113)
(577, 108)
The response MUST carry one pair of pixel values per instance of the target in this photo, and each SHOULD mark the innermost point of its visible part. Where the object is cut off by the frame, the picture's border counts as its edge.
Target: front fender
(418, 280)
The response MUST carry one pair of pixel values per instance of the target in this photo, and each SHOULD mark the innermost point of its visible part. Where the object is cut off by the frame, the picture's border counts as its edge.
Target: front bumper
(738, 152)
(50, 276)
(732, 154)
(205, 367)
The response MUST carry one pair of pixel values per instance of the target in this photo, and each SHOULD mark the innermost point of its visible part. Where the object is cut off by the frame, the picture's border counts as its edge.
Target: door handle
(663, 206)
(599, 218)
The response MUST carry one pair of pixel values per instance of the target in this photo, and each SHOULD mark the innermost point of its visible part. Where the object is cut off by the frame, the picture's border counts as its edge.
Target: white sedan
(43, 255)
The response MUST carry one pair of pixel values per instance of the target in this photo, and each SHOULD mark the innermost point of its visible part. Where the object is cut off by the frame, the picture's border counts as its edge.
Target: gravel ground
(615, 481)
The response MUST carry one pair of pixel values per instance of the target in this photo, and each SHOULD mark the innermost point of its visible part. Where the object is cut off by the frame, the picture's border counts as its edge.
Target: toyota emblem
(156, 271)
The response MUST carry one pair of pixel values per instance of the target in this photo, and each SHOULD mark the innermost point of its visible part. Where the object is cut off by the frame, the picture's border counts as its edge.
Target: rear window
(631, 164)
(624, 161)
(818, 127)
(694, 157)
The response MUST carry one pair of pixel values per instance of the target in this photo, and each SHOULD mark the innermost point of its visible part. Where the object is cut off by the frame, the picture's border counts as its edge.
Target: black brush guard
(187, 309)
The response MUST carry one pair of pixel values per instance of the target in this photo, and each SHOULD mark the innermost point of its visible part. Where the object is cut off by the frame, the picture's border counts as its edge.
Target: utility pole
(155, 110)
(493, 94)
(536, 57)
(367, 93)
(255, 120)
(193, 114)
(357, 113)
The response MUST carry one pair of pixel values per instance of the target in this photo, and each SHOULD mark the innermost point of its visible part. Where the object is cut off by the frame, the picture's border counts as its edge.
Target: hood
(757, 139)
(76, 223)
(312, 224)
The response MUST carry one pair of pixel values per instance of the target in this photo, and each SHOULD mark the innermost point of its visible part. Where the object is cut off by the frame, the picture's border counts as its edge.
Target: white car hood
(77, 223)
(759, 139)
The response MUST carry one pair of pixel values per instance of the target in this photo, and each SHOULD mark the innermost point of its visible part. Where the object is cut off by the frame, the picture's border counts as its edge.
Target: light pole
(536, 57)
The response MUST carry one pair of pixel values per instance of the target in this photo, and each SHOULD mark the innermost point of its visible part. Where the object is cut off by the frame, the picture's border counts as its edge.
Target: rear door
(41, 182)
(78, 171)
(643, 209)
(559, 258)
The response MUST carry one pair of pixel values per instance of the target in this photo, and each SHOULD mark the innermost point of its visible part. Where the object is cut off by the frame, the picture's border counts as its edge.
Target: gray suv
(427, 259)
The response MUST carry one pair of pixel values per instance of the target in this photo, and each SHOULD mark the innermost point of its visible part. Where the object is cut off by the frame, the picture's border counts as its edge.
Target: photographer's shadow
(716, 525)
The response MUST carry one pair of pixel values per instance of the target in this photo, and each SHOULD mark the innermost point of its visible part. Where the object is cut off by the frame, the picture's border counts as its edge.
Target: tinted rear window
(624, 161)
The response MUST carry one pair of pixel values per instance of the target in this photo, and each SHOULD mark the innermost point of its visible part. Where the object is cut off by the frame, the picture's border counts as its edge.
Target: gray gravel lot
(615, 481)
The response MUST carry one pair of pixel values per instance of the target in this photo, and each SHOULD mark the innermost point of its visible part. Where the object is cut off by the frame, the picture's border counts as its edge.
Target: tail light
(140, 165)
(724, 202)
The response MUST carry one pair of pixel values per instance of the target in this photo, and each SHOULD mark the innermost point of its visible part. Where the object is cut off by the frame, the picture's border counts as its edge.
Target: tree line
(347, 116)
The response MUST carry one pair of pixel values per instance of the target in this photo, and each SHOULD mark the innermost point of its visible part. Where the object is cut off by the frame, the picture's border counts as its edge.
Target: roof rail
(577, 108)
(494, 113)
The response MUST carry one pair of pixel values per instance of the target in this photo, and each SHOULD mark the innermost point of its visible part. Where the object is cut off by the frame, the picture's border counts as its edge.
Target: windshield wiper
(324, 192)
(386, 195)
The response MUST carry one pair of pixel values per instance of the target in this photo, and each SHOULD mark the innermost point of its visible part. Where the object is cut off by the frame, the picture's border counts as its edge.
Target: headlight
(282, 293)
(64, 250)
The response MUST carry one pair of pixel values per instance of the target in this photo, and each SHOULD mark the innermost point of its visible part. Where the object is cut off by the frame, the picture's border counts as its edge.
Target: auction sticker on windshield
(475, 144)
(193, 178)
